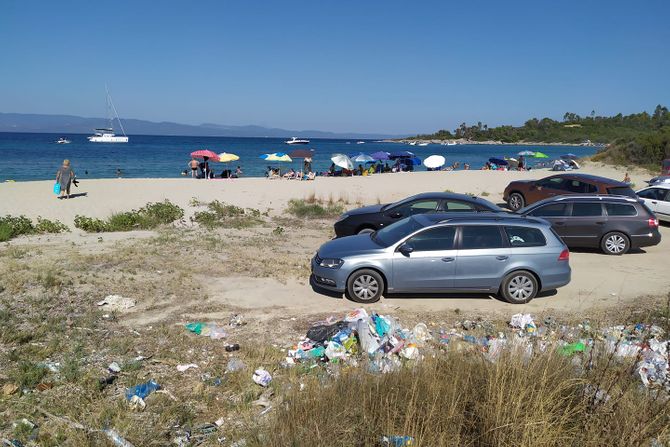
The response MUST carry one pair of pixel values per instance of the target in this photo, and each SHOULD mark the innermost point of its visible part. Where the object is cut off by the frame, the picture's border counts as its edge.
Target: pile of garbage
(379, 337)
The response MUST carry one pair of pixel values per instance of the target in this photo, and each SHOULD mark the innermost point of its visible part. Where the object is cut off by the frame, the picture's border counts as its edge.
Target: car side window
(481, 236)
(450, 205)
(586, 209)
(553, 210)
(667, 196)
(620, 209)
(579, 187)
(552, 183)
(434, 239)
(649, 193)
(418, 207)
(525, 237)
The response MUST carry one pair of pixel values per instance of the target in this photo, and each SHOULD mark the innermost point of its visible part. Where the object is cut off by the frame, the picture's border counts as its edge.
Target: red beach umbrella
(202, 153)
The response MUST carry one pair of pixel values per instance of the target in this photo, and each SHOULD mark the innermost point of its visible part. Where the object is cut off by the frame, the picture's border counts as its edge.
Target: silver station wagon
(514, 256)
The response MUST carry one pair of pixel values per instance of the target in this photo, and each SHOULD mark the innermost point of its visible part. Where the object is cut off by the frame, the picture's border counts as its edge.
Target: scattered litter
(53, 367)
(104, 382)
(43, 386)
(572, 348)
(397, 441)
(232, 348)
(210, 330)
(26, 423)
(524, 322)
(262, 377)
(114, 368)
(137, 403)
(116, 302)
(262, 401)
(220, 421)
(237, 320)
(12, 443)
(116, 438)
(235, 364)
(182, 368)
(142, 390)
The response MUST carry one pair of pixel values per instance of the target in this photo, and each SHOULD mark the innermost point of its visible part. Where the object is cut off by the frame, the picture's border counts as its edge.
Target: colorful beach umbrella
(527, 153)
(342, 161)
(540, 155)
(362, 158)
(205, 153)
(277, 156)
(225, 157)
(434, 161)
(381, 155)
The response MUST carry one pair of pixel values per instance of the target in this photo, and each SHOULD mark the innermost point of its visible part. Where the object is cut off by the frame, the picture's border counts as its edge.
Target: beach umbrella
(225, 157)
(205, 153)
(434, 161)
(301, 153)
(342, 161)
(499, 161)
(401, 154)
(527, 153)
(277, 156)
(540, 155)
(513, 162)
(569, 156)
(362, 158)
(381, 155)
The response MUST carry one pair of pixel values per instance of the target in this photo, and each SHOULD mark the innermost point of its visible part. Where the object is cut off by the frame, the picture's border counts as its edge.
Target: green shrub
(11, 227)
(227, 216)
(50, 226)
(151, 216)
(29, 374)
(314, 210)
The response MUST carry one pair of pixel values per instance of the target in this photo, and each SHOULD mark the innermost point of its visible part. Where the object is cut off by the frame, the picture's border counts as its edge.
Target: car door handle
(600, 222)
(654, 202)
(560, 223)
(502, 258)
(448, 259)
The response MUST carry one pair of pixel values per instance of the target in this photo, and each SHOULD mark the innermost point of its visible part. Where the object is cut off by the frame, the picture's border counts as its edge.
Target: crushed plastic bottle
(142, 390)
(397, 441)
(116, 438)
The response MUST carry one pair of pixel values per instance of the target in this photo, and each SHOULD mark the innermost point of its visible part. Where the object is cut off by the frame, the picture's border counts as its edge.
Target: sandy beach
(599, 281)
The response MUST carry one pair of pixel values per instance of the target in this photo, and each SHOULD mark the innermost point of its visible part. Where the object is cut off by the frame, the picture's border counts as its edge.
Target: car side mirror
(406, 249)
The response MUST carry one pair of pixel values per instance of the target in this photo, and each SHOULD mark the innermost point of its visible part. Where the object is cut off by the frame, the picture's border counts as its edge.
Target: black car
(615, 224)
(372, 218)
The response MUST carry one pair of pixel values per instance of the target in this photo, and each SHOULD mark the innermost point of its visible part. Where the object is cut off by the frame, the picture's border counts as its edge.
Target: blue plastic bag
(56, 188)
(142, 390)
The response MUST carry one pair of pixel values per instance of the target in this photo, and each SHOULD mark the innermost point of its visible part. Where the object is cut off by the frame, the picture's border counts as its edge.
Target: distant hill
(37, 123)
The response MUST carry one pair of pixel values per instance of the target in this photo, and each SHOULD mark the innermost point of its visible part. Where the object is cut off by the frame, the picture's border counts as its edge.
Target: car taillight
(565, 255)
(653, 222)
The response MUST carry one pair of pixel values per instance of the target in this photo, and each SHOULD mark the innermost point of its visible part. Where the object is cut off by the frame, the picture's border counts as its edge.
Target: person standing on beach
(64, 176)
(193, 164)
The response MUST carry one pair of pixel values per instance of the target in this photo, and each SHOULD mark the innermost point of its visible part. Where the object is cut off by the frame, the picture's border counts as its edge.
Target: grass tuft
(311, 208)
(149, 217)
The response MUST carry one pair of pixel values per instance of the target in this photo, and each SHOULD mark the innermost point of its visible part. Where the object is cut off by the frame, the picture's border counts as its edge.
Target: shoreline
(462, 141)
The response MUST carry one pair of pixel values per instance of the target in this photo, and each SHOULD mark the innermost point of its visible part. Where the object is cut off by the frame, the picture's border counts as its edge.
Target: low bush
(14, 226)
(313, 209)
(149, 217)
(228, 216)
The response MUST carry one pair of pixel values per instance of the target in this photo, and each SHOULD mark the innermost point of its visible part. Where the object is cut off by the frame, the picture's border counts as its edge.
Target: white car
(657, 198)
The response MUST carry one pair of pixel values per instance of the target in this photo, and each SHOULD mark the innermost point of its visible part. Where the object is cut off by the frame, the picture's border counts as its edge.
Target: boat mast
(111, 103)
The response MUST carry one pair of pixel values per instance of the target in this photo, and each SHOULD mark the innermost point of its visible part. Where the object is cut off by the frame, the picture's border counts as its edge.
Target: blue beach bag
(57, 188)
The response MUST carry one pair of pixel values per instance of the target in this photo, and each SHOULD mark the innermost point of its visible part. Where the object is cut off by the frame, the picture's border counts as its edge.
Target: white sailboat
(106, 134)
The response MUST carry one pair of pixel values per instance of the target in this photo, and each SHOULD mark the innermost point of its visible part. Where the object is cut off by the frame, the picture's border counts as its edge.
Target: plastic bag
(142, 390)
(321, 333)
(56, 188)
(262, 377)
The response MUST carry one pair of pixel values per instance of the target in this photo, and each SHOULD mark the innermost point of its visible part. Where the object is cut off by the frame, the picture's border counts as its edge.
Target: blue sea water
(36, 156)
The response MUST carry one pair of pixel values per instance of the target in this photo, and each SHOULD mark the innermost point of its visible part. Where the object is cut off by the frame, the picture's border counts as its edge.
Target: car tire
(615, 243)
(519, 287)
(366, 230)
(516, 201)
(365, 286)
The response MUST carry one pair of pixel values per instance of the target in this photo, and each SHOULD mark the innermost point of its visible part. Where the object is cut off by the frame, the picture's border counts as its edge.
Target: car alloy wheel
(365, 287)
(615, 244)
(520, 287)
(366, 231)
(516, 201)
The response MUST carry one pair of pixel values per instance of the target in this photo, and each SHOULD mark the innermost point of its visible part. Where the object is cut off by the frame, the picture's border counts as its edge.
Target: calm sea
(36, 156)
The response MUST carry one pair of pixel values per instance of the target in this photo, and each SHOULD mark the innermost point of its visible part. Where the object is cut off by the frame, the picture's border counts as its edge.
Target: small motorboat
(295, 140)
(423, 144)
(360, 142)
(63, 140)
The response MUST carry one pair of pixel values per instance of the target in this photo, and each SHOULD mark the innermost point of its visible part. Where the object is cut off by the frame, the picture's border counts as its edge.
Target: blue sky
(370, 66)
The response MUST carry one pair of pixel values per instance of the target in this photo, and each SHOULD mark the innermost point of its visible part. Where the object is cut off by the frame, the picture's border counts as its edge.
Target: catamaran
(106, 134)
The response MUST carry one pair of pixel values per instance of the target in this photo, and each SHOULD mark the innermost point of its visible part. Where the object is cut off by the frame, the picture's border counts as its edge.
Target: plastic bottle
(397, 441)
(142, 390)
(116, 438)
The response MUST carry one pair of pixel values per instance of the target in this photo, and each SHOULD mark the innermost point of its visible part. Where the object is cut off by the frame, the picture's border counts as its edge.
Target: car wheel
(366, 230)
(519, 287)
(516, 201)
(365, 286)
(615, 243)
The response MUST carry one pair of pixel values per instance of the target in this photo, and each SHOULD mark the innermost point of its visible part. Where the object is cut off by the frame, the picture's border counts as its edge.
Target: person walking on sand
(64, 176)
(626, 178)
(193, 164)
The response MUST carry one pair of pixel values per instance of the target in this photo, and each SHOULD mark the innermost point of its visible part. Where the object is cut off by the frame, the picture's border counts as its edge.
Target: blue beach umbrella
(362, 158)
(401, 154)
(499, 161)
(381, 155)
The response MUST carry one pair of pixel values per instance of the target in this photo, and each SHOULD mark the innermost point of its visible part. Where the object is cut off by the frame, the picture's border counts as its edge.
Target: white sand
(598, 280)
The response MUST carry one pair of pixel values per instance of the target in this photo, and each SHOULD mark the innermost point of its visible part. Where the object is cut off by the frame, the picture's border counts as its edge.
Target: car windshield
(400, 202)
(393, 233)
(622, 191)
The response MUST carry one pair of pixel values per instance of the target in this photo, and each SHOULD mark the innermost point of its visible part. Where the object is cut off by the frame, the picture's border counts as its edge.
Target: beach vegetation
(223, 215)
(15, 226)
(314, 209)
(148, 217)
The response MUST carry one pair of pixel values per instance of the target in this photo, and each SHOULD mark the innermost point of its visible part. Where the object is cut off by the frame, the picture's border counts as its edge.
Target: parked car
(657, 198)
(372, 218)
(524, 192)
(511, 255)
(615, 224)
(659, 179)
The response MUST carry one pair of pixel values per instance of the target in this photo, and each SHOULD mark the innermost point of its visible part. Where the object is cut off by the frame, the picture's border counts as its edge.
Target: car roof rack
(595, 196)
